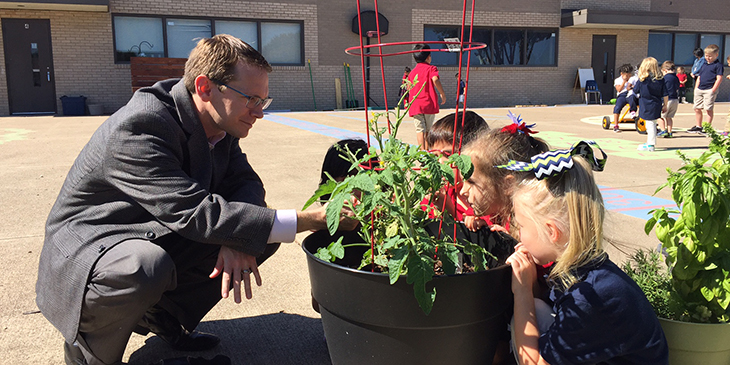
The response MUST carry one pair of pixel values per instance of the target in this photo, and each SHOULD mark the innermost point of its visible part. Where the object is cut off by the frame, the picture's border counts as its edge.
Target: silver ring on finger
(247, 271)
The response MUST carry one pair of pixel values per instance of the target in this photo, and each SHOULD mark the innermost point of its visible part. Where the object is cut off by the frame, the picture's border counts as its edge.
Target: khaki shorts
(423, 122)
(704, 99)
(671, 108)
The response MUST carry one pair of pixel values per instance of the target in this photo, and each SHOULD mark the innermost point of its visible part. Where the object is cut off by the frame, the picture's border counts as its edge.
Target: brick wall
(616, 5)
(82, 58)
(83, 48)
(497, 86)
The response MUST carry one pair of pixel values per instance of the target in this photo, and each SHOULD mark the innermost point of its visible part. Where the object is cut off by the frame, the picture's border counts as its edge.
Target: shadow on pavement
(278, 338)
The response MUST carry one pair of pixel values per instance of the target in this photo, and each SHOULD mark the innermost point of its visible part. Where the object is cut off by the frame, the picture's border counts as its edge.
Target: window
(660, 46)
(541, 48)
(684, 46)
(245, 31)
(184, 34)
(509, 47)
(281, 42)
(137, 37)
(681, 46)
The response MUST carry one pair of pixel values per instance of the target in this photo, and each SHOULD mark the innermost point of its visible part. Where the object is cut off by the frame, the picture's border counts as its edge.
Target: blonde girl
(489, 189)
(653, 99)
(594, 313)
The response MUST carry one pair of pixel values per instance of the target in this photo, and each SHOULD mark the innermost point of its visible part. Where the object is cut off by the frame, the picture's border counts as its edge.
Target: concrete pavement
(278, 325)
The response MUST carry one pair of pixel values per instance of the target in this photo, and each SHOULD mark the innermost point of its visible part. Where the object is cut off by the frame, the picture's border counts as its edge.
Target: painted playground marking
(13, 134)
(619, 147)
(622, 201)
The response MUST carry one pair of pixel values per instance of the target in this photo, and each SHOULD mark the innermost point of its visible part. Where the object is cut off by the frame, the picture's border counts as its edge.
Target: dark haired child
(338, 167)
(462, 88)
(403, 92)
(622, 86)
(424, 103)
(444, 140)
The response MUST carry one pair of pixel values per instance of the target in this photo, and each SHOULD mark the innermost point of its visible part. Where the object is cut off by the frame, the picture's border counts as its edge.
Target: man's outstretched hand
(236, 266)
(316, 219)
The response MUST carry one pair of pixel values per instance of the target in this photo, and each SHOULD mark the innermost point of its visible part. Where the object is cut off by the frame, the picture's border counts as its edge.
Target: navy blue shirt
(708, 74)
(651, 93)
(604, 318)
(671, 82)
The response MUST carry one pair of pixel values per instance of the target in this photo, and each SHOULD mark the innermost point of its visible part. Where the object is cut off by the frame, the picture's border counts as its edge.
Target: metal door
(603, 63)
(29, 66)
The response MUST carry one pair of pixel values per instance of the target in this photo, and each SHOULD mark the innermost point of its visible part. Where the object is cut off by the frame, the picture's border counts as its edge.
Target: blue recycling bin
(74, 105)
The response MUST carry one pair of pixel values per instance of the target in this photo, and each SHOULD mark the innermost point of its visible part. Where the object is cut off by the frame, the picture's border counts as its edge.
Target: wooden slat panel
(148, 70)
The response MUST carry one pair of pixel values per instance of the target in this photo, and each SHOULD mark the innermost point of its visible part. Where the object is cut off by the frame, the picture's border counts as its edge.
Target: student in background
(682, 91)
(707, 85)
(653, 99)
(671, 82)
(462, 87)
(403, 89)
(423, 99)
(622, 90)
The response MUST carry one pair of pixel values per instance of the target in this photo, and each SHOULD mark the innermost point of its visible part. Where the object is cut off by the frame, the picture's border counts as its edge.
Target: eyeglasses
(255, 100)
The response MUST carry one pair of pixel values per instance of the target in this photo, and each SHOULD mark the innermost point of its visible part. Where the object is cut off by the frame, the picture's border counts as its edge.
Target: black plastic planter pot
(368, 321)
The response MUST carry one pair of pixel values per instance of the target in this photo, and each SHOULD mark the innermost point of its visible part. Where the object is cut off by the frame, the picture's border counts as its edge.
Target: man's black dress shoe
(218, 360)
(169, 329)
(72, 354)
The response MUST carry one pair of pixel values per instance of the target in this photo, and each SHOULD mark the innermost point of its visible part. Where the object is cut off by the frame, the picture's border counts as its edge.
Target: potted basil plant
(696, 242)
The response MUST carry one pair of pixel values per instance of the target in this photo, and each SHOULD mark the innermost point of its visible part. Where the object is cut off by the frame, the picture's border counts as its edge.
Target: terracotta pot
(697, 343)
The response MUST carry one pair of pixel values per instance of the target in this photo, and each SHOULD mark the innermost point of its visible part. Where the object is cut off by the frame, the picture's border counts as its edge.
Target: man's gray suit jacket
(147, 171)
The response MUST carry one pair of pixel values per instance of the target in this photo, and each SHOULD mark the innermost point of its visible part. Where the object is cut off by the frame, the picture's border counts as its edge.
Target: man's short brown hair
(216, 57)
(668, 65)
(713, 48)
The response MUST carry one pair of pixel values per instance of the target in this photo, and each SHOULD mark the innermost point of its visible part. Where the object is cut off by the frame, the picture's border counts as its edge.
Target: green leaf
(420, 272)
(392, 229)
(333, 211)
(649, 225)
(449, 255)
(395, 264)
(324, 254)
(463, 163)
(337, 249)
(323, 189)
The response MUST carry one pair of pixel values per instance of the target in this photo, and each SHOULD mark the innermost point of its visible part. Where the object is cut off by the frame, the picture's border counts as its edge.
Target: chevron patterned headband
(555, 162)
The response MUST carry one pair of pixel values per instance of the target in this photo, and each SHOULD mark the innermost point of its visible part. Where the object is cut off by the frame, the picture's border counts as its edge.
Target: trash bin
(96, 109)
(74, 105)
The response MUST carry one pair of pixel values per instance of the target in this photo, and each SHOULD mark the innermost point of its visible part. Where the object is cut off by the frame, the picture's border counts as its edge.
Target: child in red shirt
(441, 141)
(682, 76)
(424, 103)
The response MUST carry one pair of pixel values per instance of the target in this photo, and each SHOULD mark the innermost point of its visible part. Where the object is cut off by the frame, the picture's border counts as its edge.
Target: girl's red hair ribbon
(518, 126)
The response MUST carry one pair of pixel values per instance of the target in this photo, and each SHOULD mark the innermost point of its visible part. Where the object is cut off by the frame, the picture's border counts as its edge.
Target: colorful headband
(555, 162)
(518, 126)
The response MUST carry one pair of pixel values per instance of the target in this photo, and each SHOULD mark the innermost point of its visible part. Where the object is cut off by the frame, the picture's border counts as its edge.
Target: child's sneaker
(645, 147)
(661, 134)
(668, 135)
(724, 134)
(615, 129)
(694, 129)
